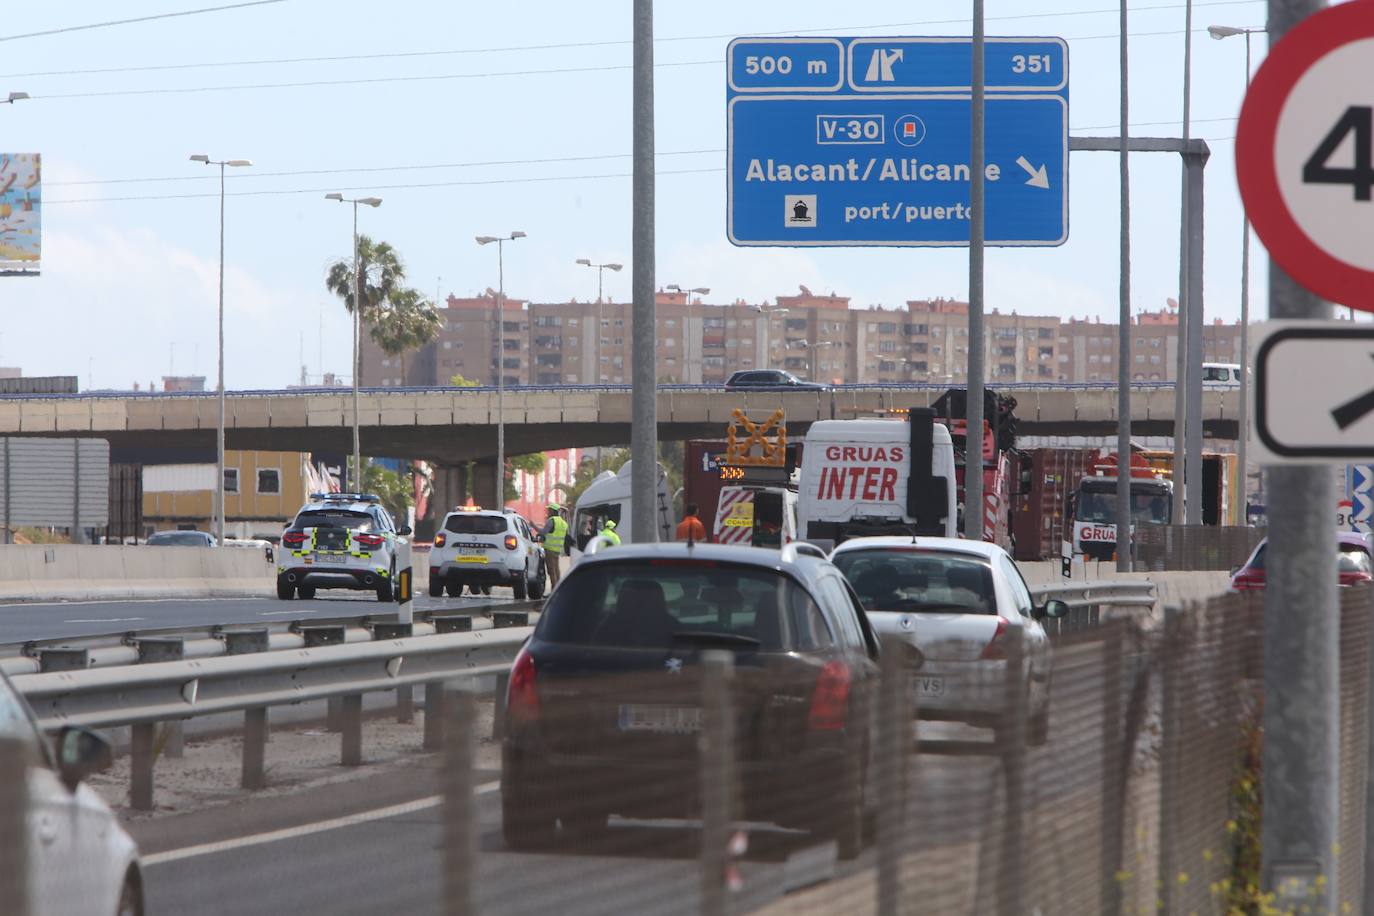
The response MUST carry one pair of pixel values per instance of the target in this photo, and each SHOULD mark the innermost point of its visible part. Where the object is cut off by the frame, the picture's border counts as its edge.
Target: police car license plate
(668, 720)
(335, 559)
(930, 686)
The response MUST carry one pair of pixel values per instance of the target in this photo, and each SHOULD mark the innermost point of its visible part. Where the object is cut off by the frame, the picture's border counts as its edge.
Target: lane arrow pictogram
(1354, 410)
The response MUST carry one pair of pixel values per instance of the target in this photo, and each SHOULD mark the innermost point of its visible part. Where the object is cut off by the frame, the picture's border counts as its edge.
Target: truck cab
(1094, 505)
(756, 516)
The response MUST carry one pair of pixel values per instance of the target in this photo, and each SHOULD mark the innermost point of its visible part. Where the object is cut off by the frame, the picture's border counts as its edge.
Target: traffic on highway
(350, 566)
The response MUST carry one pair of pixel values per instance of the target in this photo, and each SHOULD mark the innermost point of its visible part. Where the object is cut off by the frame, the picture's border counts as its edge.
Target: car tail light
(995, 648)
(1355, 578)
(369, 540)
(831, 699)
(440, 539)
(511, 542)
(1248, 580)
(522, 700)
(293, 538)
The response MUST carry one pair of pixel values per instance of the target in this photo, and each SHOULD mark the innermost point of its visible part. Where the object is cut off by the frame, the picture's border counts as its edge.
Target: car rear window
(659, 604)
(476, 524)
(919, 581)
(334, 518)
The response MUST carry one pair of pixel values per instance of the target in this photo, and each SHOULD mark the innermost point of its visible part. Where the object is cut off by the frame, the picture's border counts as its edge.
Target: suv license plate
(930, 686)
(471, 551)
(667, 720)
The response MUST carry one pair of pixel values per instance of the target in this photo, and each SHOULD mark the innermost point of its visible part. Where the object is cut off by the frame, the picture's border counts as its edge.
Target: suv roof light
(347, 497)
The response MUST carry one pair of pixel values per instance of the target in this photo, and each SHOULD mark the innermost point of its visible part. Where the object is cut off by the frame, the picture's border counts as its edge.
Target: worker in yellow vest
(608, 532)
(555, 533)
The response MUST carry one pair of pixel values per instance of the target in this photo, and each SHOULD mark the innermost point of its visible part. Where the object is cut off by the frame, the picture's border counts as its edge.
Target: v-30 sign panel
(866, 141)
(1314, 392)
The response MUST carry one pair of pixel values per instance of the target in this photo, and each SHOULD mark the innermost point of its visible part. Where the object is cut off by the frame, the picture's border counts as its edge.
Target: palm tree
(380, 276)
(405, 321)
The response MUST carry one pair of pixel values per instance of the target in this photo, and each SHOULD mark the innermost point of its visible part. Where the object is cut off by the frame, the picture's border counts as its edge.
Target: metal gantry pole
(357, 482)
(1192, 430)
(1243, 417)
(219, 430)
(973, 406)
(644, 404)
(1301, 640)
(1182, 369)
(500, 373)
(1123, 387)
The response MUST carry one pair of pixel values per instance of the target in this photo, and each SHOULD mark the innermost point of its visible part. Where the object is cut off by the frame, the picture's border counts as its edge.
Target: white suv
(480, 548)
(339, 540)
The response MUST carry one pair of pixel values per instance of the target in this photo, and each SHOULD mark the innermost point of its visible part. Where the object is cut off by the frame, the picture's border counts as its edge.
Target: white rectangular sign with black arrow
(1313, 392)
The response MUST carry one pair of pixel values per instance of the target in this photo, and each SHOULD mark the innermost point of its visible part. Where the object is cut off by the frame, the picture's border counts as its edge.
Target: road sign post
(866, 141)
(1313, 215)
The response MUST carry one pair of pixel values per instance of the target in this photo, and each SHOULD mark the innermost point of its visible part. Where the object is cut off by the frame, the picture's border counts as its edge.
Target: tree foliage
(458, 381)
(533, 463)
(396, 490)
(398, 317)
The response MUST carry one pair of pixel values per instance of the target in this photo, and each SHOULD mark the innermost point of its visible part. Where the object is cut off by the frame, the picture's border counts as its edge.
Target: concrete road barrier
(46, 572)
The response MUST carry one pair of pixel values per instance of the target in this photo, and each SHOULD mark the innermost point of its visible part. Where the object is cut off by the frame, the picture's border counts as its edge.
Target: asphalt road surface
(60, 619)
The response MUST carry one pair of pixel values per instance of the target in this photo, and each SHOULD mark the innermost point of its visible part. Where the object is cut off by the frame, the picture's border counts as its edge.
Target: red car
(1354, 563)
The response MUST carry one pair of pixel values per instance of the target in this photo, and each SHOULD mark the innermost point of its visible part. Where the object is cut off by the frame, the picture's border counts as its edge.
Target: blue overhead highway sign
(865, 141)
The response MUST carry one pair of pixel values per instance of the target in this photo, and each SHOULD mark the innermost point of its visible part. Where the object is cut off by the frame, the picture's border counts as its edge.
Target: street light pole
(1242, 462)
(219, 427)
(600, 272)
(357, 482)
(686, 327)
(500, 241)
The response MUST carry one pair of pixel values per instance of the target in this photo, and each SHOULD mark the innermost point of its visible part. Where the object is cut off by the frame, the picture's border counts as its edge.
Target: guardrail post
(451, 623)
(895, 742)
(434, 715)
(502, 619)
(459, 855)
(498, 707)
(405, 696)
(717, 740)
(174, 739)
(141, 766)
(14, 826)
(351, 712)
(333, 715)
(1012, 738)
(254, 748)
(405, 704)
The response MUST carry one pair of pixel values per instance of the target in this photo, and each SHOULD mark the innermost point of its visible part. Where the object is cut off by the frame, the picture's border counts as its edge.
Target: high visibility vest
(553, 543)
(612, 539)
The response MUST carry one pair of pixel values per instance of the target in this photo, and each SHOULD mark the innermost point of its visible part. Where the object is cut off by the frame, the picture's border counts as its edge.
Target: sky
(473, 119)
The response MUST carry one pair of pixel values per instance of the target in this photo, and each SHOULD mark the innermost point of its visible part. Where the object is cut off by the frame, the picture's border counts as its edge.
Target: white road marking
(27, 604)
(291, 833)
(286, 613)
(105, 620)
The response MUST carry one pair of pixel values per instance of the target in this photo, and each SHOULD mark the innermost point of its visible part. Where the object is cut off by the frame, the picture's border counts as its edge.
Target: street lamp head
(674, 287)
(486, 239)
(1223, 31)
(370, 201)
(585, 262)
(201, 157)
(16, 97)
(615, 267)
(517, 234)
(335, 195)
(702, 290)
(239, 162)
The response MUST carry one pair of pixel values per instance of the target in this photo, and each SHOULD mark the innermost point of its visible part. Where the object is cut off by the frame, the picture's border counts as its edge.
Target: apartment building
(816, 337)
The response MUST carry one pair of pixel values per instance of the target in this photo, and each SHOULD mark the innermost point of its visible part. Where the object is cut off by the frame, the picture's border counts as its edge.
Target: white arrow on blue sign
(866, 141)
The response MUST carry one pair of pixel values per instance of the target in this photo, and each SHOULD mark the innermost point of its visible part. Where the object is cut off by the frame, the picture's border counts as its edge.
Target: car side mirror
(1053, 609)
(403, 530)
(81, 752)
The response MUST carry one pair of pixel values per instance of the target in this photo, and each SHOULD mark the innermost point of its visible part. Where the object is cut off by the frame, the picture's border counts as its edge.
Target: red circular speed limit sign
(1305, 153)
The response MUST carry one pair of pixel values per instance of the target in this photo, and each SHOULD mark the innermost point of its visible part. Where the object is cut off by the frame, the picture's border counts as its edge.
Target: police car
(339, 540)
(479, 548)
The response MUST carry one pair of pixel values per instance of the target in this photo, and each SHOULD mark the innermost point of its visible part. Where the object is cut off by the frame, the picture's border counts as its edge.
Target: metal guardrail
(1109, 591)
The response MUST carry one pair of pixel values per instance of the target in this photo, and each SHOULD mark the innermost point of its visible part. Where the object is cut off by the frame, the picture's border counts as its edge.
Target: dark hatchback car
(770, 379)
(604, 702)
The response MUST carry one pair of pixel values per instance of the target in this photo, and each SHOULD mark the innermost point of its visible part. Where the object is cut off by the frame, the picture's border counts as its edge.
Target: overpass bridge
(449, 426)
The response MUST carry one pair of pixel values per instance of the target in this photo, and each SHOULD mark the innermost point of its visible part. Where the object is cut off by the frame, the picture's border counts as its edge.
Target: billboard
(20, 183)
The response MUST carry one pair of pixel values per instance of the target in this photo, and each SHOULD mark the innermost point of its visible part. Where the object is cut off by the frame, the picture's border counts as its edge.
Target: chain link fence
(1194, 547)
(1124, 779)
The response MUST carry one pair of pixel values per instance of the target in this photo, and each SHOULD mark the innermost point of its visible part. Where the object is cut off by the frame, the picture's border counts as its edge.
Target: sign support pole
(644, 403)
(973, 403)
(1301, 651)
(1192, 423)
(1123, 361)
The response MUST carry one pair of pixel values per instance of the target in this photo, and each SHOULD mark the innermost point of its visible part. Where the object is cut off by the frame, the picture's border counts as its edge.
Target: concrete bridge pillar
(482, 484)
(450, 488)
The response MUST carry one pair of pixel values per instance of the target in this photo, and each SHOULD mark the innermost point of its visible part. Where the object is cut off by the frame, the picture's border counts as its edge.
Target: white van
(1221, 375)
(608, 498)
(882, 476)
(756, 516)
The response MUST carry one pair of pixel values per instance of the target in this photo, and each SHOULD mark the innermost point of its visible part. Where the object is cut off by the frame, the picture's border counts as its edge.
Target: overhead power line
(114, 22)
(402, 55)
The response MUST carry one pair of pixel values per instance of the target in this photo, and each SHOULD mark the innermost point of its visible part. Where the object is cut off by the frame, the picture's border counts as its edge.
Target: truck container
(1042, 505)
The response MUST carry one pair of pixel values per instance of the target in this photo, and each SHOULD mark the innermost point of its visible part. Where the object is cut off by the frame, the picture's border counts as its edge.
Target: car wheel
(384, 590)
(306, 592)
(486, 590)
(131, 897)
(436, 586)
(285, 590)
(539, 584)
(520, 586)
(526, 824)
(844, 822)
(455, 589)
